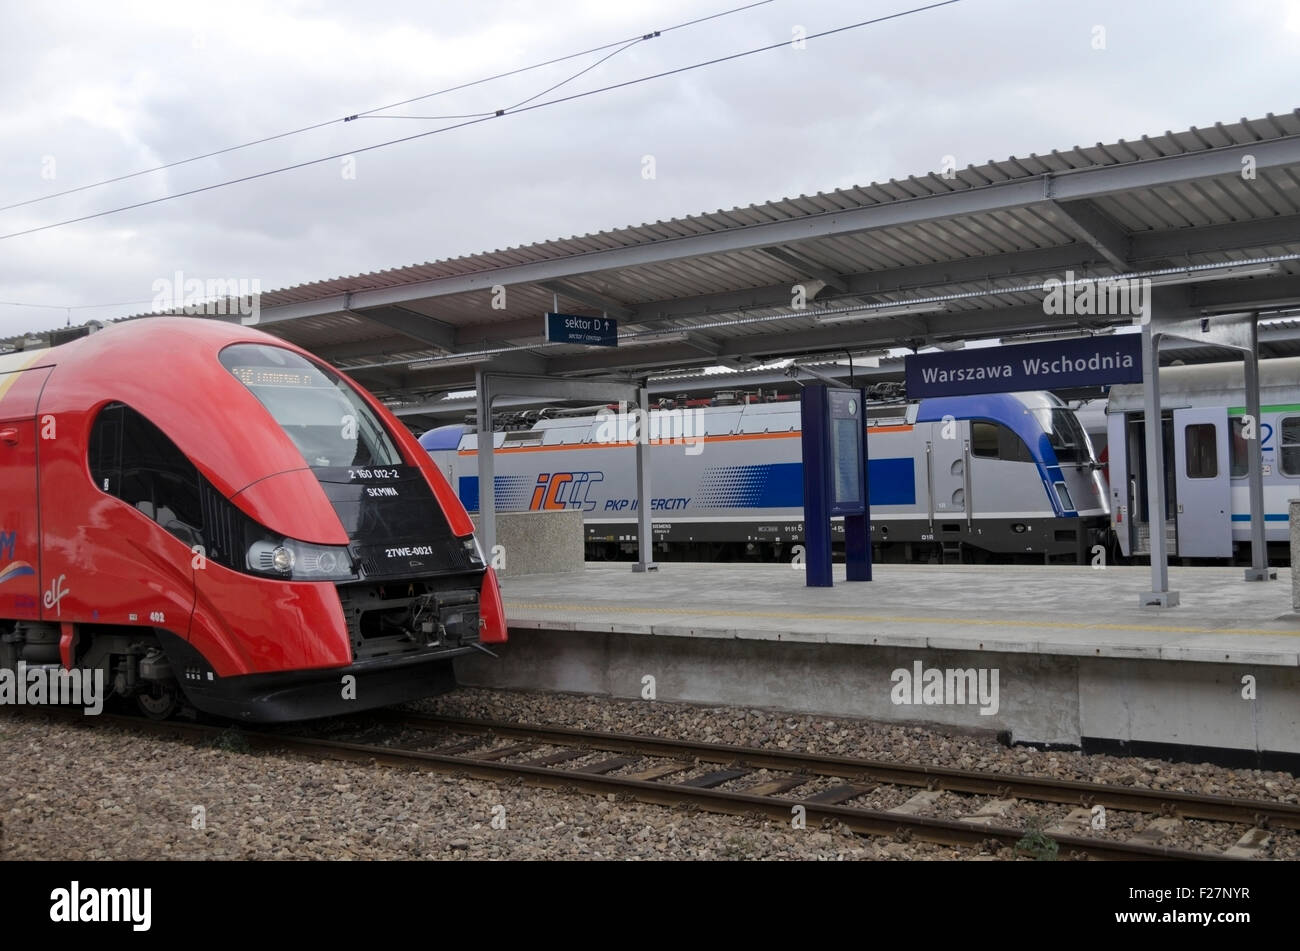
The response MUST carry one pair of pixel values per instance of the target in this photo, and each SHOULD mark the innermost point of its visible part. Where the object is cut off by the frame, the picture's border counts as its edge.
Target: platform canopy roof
(959, 255)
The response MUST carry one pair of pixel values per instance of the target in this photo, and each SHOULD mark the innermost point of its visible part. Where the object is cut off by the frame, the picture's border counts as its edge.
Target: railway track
(750, 780)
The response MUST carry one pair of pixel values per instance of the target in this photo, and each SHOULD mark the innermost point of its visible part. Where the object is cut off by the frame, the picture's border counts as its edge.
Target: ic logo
(564, 490)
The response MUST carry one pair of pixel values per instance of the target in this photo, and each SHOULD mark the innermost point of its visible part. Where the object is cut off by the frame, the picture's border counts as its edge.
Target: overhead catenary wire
(496, 112)
(474, 121)
(623, 43)
(120, 303)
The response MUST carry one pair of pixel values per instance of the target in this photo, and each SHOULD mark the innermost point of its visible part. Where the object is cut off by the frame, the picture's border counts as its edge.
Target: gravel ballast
(89, 791)
(84, 792)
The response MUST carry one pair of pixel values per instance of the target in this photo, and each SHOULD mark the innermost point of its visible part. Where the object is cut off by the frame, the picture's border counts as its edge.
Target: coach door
(1117, 467)
(1202, 475)
(20, 558)
(1134, 474)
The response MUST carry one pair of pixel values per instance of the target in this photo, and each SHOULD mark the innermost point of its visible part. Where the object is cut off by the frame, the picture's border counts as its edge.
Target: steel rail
(1042, 789)
(947, 832)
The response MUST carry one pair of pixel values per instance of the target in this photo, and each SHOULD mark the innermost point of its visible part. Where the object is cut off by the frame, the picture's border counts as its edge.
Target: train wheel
(159, 703)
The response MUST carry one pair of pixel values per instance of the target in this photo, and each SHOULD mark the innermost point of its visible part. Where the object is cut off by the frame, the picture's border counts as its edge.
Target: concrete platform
(1076, 661)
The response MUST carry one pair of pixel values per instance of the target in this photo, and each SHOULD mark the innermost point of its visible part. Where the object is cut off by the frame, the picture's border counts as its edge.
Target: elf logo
(564, 490)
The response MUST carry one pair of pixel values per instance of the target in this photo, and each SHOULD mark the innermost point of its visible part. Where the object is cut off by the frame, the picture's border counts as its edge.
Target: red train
(213, 517)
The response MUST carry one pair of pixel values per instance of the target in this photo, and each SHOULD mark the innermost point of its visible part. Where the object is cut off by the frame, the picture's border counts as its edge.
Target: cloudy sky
(95, 90)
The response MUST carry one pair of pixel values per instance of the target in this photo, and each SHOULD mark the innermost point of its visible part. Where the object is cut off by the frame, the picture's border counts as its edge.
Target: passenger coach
(1203, 425)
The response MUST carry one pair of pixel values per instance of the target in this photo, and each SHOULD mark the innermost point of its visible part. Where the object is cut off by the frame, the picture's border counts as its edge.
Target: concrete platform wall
(1042, 699)
(1221, 706)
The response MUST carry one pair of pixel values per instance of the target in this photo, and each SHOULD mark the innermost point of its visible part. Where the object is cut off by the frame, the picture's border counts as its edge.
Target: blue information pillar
(834, 425)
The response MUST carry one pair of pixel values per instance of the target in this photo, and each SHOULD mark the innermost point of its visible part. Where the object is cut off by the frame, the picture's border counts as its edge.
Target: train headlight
(301, 561)
(473, 550)
(321, 562)
(282, 559)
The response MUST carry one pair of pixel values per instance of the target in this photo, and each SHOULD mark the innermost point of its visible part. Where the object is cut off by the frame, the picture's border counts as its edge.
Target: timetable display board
(834, 440)
(847, 431)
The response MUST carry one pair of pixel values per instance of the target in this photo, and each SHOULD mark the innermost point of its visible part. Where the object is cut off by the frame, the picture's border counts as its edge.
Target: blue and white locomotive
(968, 476)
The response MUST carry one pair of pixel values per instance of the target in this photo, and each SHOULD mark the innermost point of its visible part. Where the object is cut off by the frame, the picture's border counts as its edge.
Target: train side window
(1290, 444)
(1202, 451)
(995, 441)
(984, 439)
(1239, 462)
(104, 450)
(1011, 447)
(133, 460)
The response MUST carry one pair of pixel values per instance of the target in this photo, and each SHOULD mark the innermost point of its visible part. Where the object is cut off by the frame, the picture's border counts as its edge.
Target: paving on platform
(1055, 610)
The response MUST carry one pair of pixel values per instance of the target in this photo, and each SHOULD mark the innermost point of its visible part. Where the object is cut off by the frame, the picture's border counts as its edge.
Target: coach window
(995, 441)
(131, 459)
(1202, 451)
(1290, 444)
(1239, 462)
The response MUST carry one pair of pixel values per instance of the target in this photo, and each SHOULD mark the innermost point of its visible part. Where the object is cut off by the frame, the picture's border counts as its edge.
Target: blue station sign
(590, 331)
(1076, 361)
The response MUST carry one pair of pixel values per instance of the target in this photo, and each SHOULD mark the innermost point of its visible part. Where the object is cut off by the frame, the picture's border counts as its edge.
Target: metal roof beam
(1086, 222)
(359, 349)
(427, 330)
(1157, 246)
(874, 282)
(522, 384)
(381, 379)
(778, 295)
(647, 358)
(297, 310)
(1257, 293)
(523, 328)
(804, 266)
(1236, 235)
(704, 344)
(459, 374)
(612, 307)
(885, 333)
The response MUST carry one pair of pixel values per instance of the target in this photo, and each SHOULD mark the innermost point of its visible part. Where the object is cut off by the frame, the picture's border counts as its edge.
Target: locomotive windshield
(329, 423)
(1067, 437)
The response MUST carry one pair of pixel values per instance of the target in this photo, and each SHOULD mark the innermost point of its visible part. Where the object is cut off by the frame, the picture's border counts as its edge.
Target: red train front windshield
(329, 423)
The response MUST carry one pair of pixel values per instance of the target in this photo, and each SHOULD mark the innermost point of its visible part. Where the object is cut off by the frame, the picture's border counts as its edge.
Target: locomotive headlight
(282, 559)
(473, 550)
